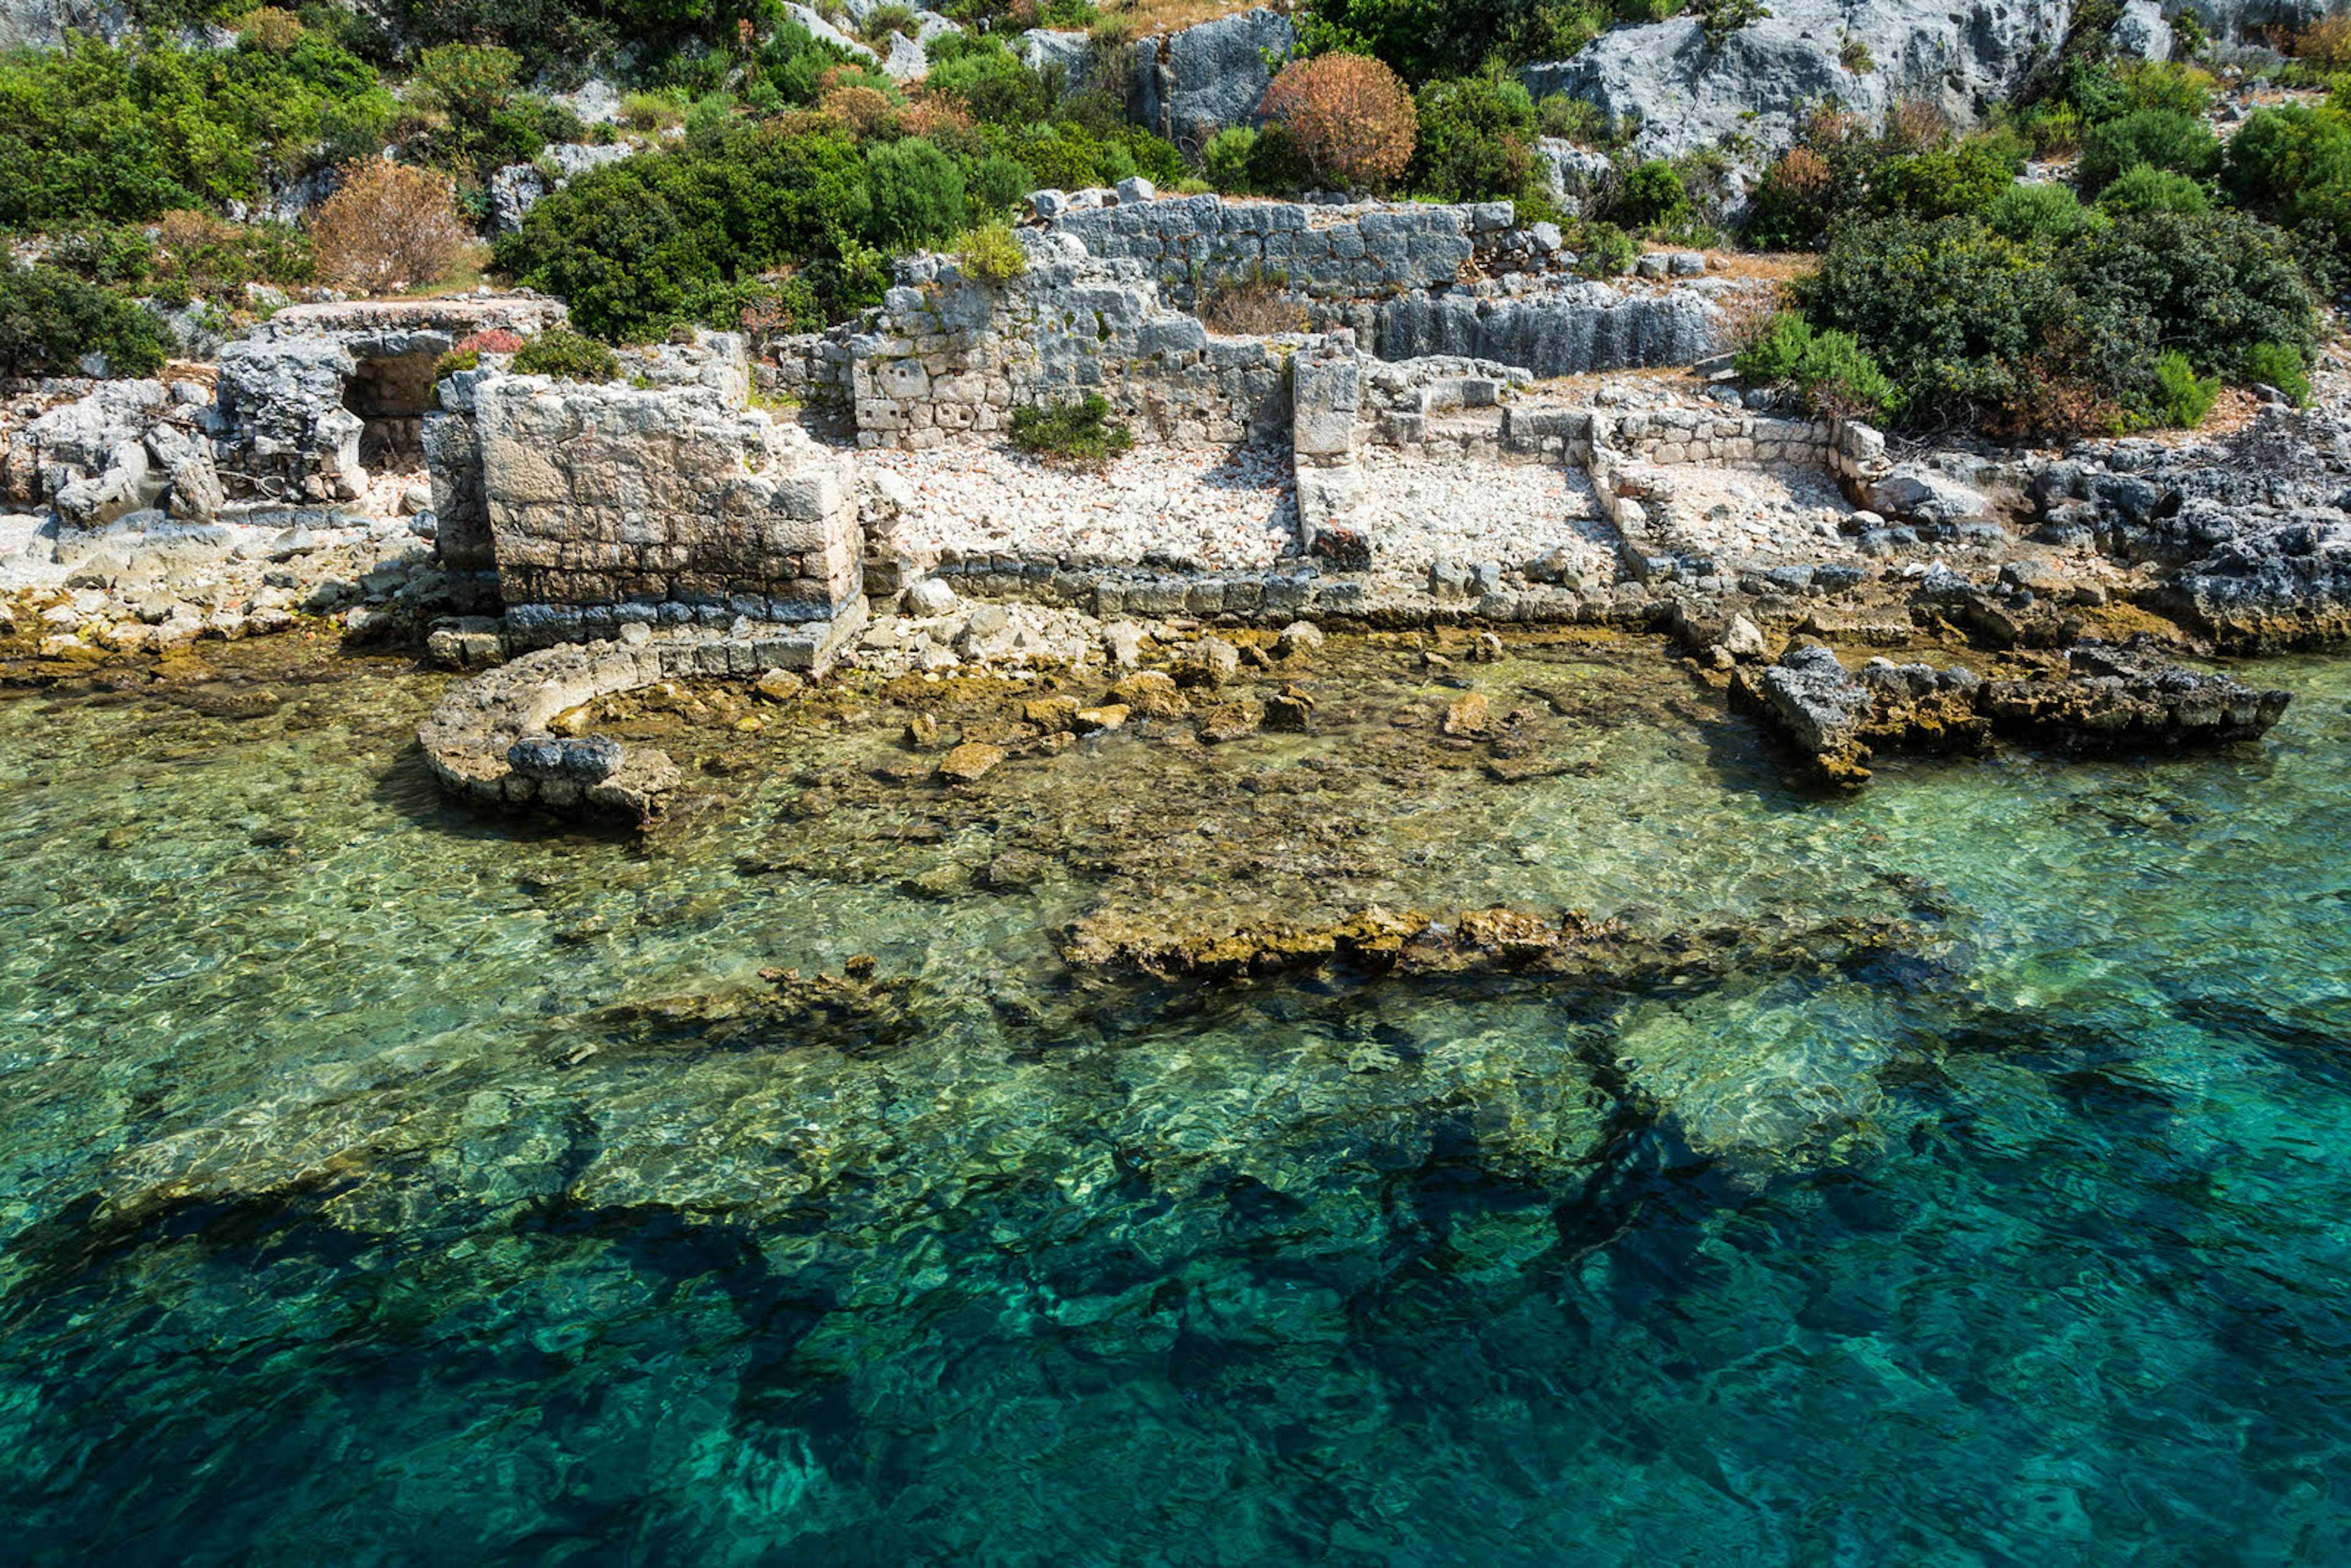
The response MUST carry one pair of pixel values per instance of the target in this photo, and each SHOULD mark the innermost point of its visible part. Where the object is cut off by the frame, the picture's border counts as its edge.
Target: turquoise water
(350, 1213)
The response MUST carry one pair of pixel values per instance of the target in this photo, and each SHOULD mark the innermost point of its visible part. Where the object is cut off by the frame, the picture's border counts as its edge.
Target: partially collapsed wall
(949, 356)
(607, 505)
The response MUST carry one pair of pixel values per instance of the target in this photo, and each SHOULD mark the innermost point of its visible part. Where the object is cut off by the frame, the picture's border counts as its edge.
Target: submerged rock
(970, 762)
(2102, 696)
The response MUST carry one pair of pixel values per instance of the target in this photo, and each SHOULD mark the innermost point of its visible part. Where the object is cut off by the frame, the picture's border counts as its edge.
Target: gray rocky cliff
(44, 23)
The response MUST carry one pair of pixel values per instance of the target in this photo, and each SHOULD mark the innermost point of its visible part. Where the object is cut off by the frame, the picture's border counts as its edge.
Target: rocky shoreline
(569, 544)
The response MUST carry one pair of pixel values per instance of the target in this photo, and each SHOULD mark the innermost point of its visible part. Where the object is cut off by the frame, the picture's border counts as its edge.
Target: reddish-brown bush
(389, 228)
(488, 341)
(1352, 117)
(271, 29)
(2325, 44)
(864, 110)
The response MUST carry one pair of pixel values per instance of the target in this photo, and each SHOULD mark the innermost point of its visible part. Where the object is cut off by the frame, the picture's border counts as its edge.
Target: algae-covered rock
(970, 762)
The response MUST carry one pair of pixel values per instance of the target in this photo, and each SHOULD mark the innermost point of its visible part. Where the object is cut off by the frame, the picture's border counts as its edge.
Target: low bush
(2020, 333)
(1277, 166)
(990, 252)
(389, 228)
(49, 319)
(2142, 189)
(1602, 250)
(1351, 116)
(1912, 166)
(917, 193)
(2036, 214)
(2282, 366)
(567, 356)
(2182, 398)
(1829, 371)
(1653, 195)
(1475, 139)
(996, 185)
(2160, 138)
(1225, 160)
(1777, 349)
(1080, 432)
(199, 256)
(1255, 304)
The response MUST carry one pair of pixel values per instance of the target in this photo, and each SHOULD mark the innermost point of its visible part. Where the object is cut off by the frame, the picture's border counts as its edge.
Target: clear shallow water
(339, 1222)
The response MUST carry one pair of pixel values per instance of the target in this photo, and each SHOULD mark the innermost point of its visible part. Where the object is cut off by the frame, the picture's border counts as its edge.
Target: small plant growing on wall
(1080, 434)
(567, 356)
(991, 253)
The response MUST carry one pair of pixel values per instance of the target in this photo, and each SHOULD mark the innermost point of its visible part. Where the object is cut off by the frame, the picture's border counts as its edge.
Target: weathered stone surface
(519, 187)
(620, 495)
(1233, 720)
(970, 762)
(1191, 84)
(46, 24)
(1815, 701)
(1758, 83)
(1469, 716)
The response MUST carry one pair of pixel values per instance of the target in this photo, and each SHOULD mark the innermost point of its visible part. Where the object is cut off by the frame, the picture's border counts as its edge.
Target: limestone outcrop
(2099, 696)
(1865, 55)
(1191, 84)
(519, 187)
(46, 24)
(2253, 533)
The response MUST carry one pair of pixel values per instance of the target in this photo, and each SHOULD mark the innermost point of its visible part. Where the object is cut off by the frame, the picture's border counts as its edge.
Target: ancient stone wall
(1191, 243)
(949, 357)
(674, 501)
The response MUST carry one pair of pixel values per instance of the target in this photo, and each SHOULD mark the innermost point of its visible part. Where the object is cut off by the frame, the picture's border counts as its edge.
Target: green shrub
(1838, 376)
(2163, 138)
(2293, 164)
(1955, 307)
(1946, 181)
(684, 233)
(997, 184)
(991, 252)
(917, 190)
(454, 361)
(1277, 166)
(2141, 189)
(51, 320)
(1225, 160)
(567, 356)
(2036, 214)
(2182, 398)
(94, 132)
(1832, 372)
(2167, 85)
(1080, 432)
(1602, 250)
(2279, 365)
(1776, 350)
(1476, 138)
(650, 112)
(1653, 195)
(2217, 284)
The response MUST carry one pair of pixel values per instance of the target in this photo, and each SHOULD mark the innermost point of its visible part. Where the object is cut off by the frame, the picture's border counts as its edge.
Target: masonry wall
(671, 497)
(1326, 252)
(949, 358)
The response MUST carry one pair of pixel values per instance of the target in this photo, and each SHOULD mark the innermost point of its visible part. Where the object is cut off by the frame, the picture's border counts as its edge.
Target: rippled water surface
(373, 1188)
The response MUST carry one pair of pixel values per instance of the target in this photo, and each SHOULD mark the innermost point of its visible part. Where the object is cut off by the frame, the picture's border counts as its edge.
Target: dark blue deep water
(349, 1214)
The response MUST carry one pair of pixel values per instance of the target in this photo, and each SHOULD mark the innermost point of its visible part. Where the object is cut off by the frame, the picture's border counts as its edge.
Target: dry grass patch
(1146, 17)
